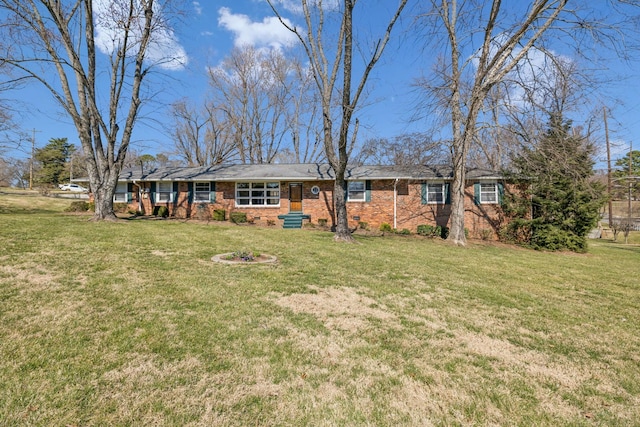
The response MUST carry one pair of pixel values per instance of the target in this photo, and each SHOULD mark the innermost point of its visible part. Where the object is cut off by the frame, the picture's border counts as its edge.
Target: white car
(73, 187)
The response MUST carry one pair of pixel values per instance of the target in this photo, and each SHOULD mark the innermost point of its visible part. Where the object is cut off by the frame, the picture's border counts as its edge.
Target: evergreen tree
(53, 159)
(622, 171)
(565, 201)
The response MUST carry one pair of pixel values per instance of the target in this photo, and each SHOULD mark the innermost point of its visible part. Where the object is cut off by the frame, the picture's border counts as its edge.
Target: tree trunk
(342, 233)
(326, 75)
(456, 227)
(103, 199)
(103, 188)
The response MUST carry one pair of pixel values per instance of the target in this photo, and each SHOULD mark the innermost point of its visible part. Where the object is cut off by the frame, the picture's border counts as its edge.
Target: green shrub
(433, 231)
(385, 227)
(238, 217)
(518, 231)
(271, 222)
(78, 206)
(322, 222)
(428, 230)
(542, 236)
(551, 238)
(404, 232)
(92, 206)
(162, 211)
(219, 215)
(363, 225)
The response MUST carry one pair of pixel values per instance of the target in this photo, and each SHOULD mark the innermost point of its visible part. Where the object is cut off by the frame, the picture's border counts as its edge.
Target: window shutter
(447, 194)
(129, 192)
(500, 193)
(423, 194)
(212, 192)
(367, 193)
(190, 192)
(476, 193)
(175, 192)
(153, 191)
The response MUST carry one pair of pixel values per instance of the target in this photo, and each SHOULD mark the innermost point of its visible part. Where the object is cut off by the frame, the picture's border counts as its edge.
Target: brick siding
(481, 220)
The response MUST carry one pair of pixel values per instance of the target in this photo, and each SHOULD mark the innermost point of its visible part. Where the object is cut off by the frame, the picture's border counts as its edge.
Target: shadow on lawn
(628, 247)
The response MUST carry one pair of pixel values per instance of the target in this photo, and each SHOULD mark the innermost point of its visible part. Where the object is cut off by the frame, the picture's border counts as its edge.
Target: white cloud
(197, 7)
(164, 49)
(294, 6)
(268, 33)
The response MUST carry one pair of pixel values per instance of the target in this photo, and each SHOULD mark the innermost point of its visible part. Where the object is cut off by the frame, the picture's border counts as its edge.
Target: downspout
(395, 203)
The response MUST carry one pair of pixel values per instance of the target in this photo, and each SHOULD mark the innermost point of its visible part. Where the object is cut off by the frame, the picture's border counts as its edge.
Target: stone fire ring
(262, 259)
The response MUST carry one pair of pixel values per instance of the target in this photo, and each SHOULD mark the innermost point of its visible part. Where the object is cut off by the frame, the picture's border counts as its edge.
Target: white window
(201, 192)
(164, 192)
(257, 194)
(488, 192)
(356, 191)
(120, 196)
(435, 192)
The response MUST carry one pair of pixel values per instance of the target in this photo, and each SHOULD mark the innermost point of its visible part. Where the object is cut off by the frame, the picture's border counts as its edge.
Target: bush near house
(238, 217)
(428, 230)
(161, 211)
(219, 215)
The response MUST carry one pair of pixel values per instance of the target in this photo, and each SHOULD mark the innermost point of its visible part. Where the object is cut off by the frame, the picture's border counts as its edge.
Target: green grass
(130, 323)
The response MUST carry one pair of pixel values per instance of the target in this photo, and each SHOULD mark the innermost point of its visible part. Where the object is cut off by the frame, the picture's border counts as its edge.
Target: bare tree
(407, 149)
(57, 44)
(303, 117)
(516, 111)
(200, 137)
(328, 74)
(261, 110)
(250, 89)
(469, 73)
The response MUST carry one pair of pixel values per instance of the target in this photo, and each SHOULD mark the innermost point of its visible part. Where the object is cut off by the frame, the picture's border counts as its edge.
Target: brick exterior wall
(482, 221)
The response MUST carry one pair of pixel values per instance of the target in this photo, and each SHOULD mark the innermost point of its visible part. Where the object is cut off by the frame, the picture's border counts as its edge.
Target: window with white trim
(164, 192)
(488, 192)
(356, 191)
(435, 192)
(120, 196)
(257, 193)
(201, 192)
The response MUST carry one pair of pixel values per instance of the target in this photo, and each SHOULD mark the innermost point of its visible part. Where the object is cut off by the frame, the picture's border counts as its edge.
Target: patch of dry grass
(130, 323)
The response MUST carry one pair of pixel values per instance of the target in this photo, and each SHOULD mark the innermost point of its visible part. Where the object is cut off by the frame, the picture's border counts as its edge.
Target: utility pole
(630, 180)
(609, 182)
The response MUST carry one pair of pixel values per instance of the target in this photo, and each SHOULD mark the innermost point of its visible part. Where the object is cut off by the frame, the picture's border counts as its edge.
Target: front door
(295, 197)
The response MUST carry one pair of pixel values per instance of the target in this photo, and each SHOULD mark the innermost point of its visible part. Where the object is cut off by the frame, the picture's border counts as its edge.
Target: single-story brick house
(401, 196)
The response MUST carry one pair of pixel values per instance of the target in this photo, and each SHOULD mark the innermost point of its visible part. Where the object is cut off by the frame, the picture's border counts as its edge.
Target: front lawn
(130, 323)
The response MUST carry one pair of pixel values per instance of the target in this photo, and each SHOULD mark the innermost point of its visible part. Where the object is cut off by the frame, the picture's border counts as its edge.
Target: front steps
(293, 220)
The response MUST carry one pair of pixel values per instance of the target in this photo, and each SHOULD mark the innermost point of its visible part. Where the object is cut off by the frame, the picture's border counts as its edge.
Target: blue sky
(210, 29)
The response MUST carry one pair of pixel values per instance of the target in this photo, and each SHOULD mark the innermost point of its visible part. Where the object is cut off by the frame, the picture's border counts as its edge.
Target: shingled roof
(297, 172)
